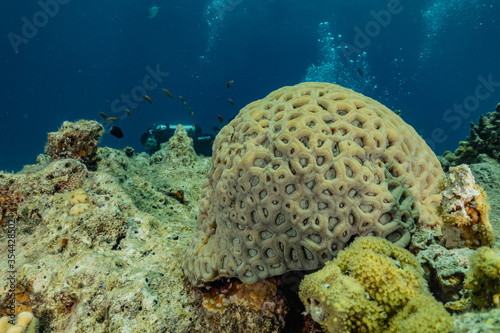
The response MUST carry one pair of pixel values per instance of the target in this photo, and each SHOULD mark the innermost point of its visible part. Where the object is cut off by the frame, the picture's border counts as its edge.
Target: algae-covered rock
(110, 267)
(116, 265)
(179, 149)
(483, 278)
(464, 210)
(445, 274)
(78, 140)
(474, 322)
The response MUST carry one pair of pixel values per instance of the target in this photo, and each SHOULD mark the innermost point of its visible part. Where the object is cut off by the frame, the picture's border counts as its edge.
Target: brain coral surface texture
(298, 175)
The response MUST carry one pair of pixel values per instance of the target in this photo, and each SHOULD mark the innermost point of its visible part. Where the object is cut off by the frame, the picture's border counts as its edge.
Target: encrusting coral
(78, 196)
(299, 174)
(78, 200)
(464, 210)
(373, 286)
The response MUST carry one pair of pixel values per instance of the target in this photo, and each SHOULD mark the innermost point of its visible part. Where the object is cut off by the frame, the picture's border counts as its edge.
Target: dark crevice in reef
(289, 289)
(117, 244)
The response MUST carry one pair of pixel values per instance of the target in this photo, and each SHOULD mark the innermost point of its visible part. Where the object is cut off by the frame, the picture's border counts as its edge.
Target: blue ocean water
(436, 60)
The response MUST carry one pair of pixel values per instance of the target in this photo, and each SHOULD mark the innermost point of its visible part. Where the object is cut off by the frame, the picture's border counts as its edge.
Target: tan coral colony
(298, 175)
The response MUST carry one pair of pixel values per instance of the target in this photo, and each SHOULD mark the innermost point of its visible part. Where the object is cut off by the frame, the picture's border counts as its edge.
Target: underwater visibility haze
(70, 60)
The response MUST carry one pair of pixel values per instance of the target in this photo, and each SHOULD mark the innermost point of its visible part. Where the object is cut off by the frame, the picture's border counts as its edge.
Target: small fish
(116, 132)
(231, 101)
(190, 110)
(221, 119)
(147, 98)
(360, 71)
(168, 93)
(153, 11)
(229, 84)
(129, 113)
(103, 115)
(111, 119)
(182, 99)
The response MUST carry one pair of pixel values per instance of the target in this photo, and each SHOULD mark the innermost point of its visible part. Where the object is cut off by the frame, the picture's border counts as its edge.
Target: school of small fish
(118, 133)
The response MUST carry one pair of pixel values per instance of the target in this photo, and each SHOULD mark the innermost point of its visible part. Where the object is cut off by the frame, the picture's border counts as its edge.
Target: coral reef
(445, 274)
(373, 286)
(484, 139)
(18, 192)
(483, 278)
(298, 175)
(119, 264)
(78, 140)
(25, 323)
(257, 306)
(464, 210)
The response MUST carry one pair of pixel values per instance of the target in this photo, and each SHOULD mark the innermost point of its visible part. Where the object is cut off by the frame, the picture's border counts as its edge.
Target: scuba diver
(154, 137)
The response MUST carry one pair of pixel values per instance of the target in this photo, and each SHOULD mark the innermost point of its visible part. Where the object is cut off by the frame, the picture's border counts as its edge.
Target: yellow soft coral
(372, 286)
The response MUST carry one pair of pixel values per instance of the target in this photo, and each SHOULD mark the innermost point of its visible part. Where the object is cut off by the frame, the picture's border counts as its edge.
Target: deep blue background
(423, 62)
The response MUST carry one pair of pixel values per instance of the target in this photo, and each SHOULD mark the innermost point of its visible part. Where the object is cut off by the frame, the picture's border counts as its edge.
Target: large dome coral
(298, 175)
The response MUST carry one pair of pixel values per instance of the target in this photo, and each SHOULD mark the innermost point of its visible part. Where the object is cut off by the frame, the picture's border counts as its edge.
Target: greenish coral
(483, 139)
(373, 286)
(483, 278)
